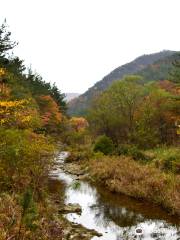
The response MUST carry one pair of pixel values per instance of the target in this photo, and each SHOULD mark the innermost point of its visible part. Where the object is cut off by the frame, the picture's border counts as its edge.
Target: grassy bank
(124, 175)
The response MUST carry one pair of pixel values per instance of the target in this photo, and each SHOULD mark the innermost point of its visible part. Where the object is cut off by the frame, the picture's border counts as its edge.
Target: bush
(25, 158)
(104, 144)
(168, 159)
(131, 150)
(137, 154)
(122, 149)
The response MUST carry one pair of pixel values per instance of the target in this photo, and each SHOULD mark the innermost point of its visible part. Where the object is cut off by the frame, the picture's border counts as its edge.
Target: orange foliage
(166, 85)
(4, 90)
(175, 90)
(49, 110)
(78, 123)
(169, 87)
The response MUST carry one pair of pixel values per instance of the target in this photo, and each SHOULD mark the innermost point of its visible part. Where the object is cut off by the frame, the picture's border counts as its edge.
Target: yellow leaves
(9, 109)
(26, 119)
(2, 121)
(13, 104)
(2, 72)
(19, 113)
(79, 123)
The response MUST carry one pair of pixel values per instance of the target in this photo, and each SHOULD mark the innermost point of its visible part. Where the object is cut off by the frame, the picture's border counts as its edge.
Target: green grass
(166, 159)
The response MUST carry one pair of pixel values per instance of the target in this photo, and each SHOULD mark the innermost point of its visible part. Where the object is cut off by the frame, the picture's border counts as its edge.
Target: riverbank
(94, 207)
(126, 176)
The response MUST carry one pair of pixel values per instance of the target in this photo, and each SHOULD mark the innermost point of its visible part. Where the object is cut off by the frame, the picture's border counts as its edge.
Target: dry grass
(48, 226)
(124, 175)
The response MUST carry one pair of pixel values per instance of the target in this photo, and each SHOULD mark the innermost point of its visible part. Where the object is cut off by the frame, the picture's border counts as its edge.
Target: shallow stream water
(115, 216)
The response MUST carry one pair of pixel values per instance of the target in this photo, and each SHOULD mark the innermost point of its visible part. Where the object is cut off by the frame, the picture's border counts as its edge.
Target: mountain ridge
(79, 105)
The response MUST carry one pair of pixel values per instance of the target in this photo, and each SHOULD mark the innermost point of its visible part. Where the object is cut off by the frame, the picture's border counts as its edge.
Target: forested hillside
(151, 67)
(31, 115)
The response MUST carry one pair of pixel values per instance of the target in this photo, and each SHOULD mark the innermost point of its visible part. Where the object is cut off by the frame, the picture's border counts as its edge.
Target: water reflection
(116, 216)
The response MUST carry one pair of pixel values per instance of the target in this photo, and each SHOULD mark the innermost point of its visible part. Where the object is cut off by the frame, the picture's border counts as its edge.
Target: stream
(115, 216)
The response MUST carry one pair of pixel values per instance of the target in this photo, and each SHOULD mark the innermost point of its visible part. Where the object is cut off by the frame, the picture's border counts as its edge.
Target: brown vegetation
(124, 175)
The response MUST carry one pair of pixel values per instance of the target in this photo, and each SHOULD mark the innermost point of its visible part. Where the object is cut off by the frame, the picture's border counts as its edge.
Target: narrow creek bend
(115, 216)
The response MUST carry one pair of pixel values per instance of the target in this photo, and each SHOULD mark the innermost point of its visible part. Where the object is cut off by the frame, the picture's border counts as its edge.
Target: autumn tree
(78, 123)
(58, 97)
(113, 113)
(133, 113)
(38, 87)
(19, 113)
(175, 73)
(155, 119)
(49, 111)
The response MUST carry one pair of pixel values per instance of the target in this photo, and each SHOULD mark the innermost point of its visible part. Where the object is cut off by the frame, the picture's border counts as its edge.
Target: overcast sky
(75, 43)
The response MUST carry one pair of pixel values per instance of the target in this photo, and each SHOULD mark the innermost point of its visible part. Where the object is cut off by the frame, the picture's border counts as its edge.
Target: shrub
(133, 151)
(137, 154)
(122, 149)
(104, 144)
(25, 158)
(168, 159)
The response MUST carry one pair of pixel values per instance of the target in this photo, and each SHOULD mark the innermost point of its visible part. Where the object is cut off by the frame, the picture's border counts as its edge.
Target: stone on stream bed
(73, 169)
(70, 208)
(77, 231)
(82, 177)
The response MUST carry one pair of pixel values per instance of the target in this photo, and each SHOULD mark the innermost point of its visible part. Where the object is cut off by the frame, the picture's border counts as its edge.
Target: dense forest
(128, 141)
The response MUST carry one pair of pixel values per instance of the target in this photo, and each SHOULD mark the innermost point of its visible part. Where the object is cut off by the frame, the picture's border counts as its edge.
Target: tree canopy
(135, 113)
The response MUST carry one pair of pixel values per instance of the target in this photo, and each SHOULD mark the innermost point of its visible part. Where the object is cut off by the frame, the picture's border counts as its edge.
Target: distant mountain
(153, 67)
(70, 96)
